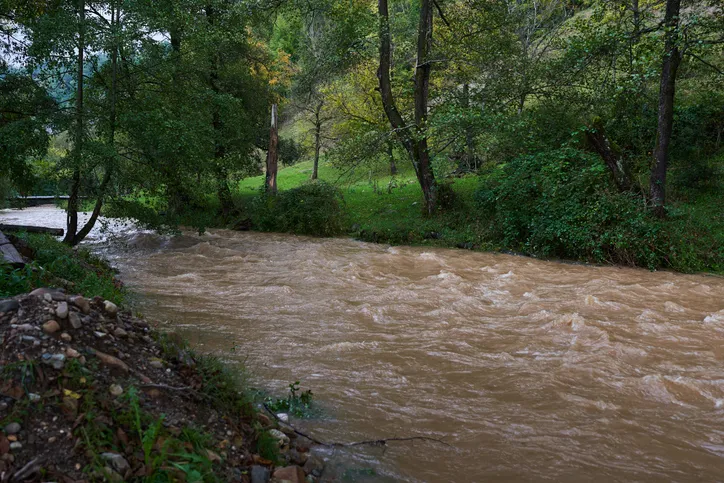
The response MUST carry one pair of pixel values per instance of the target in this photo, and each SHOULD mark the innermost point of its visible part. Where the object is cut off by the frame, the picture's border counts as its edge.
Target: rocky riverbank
(89, 392)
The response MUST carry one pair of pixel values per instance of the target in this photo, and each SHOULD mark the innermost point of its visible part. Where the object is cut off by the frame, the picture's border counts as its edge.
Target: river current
(530, 370)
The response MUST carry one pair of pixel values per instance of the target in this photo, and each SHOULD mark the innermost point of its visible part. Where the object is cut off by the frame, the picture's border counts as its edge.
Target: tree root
(372, 442)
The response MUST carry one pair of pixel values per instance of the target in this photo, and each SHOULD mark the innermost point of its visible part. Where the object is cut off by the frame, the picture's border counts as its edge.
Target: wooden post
(273, 155)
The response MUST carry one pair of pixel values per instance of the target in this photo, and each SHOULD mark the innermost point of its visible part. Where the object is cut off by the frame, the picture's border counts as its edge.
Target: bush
(313, 208)
(561, 204)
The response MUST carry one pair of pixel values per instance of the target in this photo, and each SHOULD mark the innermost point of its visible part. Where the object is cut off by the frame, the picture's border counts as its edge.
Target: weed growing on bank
(297, 403)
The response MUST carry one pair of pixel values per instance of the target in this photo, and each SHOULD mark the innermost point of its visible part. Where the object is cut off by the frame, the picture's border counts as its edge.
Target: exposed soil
(85, 387)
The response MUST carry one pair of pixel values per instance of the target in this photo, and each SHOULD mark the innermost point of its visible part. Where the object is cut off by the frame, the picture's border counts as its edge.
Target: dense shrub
(561, 203)
(290, 151)
(314, 208)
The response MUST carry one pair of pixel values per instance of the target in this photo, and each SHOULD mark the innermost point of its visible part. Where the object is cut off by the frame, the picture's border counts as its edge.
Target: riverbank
(505, 356)
(602, 228)
(90, 392)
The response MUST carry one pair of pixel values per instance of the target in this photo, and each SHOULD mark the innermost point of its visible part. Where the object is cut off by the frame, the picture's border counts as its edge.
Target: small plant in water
(297, 403)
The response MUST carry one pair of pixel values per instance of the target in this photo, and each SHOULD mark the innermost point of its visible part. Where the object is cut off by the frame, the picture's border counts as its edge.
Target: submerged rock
(314, 465)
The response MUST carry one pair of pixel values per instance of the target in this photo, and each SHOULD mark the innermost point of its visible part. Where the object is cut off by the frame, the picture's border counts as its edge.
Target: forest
(585, 130)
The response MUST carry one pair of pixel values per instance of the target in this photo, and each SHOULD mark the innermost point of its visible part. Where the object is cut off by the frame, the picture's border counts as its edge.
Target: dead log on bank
(33, 229)
(9, 253)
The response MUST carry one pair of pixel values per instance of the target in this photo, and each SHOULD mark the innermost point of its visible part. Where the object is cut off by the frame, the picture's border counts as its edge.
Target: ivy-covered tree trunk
(667, 92)
(317, 138)
(469, 157)
(414, 139)
(599, 142)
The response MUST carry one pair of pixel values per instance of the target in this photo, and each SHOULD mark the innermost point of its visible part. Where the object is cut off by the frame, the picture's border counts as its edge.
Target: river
(528, 369)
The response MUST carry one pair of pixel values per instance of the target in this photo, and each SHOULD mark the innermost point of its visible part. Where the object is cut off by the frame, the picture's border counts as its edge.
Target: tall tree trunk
(73, 198)
(90, 223)
(176, 189)
(470, 159)
(599, 142)
(667, 92)
(80, 236)
(383, 75)
(317, 138)
(415, 142)
(272, 156)
(422, 87)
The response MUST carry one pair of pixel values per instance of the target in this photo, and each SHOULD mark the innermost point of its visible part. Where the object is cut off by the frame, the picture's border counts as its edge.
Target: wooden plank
(33, 229)
(9, 253)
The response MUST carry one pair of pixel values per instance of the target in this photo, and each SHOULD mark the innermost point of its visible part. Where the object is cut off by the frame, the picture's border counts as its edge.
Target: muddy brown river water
(530, 370)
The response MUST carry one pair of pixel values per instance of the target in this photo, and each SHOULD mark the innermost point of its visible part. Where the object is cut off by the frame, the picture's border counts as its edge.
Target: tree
(667, 91)
(413, 137)
(272, 155)
(25, 112)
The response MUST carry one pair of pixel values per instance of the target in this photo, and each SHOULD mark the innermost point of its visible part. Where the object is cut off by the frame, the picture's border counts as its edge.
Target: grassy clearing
(384, 208)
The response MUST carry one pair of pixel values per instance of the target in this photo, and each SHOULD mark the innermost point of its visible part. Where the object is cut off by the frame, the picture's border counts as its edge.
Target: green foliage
(297, 402)
(314, 208)
(268, 447)
(24, 109)
(290, 151)
(15, 281)
(560, 204)
(173, 452)
(222, 385)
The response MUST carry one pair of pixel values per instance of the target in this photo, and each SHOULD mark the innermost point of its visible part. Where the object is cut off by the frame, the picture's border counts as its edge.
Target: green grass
(56, 264)
(384, 208)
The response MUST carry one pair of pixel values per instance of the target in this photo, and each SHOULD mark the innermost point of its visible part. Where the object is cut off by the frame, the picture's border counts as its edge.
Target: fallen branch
(170, 388)
(371, 442)
(31, 468)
